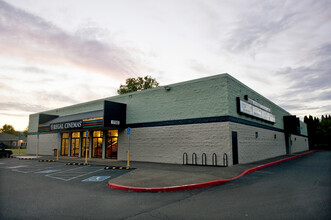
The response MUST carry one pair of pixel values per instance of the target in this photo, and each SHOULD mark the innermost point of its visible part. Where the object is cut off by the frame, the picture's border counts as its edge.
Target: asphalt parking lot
(61, 171)
(295, 189)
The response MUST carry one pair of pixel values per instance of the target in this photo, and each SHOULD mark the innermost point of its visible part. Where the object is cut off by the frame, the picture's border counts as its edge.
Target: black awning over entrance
(112, 115)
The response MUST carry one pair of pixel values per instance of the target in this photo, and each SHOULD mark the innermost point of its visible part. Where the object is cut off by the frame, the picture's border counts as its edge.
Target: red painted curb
(204, 184)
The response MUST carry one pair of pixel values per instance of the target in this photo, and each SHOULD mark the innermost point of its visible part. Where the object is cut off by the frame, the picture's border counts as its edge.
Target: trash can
(55, 152)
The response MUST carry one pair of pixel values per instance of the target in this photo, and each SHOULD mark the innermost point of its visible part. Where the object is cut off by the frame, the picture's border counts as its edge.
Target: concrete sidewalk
(154, 175)
(167, 175)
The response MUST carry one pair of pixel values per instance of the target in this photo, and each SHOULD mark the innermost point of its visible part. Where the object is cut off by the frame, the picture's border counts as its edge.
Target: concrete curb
(204, 184)
(47, 161)
(78, 164)
(118, 168)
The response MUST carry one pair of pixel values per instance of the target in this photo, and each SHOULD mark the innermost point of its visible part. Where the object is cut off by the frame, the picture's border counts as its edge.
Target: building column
(91, 143)
(104, 142)
(80, 143)
(69, 147)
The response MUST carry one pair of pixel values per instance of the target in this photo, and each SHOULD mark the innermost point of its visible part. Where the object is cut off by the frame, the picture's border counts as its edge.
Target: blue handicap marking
(96, 179)
(47, 171)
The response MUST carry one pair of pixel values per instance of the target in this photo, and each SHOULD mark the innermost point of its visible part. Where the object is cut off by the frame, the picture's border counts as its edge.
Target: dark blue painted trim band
(203, 120)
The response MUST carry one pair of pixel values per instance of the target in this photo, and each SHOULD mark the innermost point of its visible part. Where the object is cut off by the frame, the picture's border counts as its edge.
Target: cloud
(13, 115)
(21, 106)
(32, 37)
(256, 31)
(312, 77)
(53, 99)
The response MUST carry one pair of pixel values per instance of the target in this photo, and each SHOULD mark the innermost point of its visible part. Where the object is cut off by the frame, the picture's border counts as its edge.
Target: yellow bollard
(128, 162)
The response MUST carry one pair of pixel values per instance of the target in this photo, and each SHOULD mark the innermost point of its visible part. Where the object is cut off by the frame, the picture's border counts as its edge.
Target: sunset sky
(64, 52)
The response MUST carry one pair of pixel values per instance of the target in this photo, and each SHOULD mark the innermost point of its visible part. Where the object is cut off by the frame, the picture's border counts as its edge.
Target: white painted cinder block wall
(167, 144)
(47, 142)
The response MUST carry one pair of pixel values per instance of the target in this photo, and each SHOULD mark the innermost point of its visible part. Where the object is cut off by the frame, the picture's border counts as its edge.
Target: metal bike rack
(204, 159)
(225, 160)
(214, 159)
(194, 159)
(185, 159)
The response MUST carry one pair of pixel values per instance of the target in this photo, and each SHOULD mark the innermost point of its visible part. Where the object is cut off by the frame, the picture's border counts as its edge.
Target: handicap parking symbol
(96, 179)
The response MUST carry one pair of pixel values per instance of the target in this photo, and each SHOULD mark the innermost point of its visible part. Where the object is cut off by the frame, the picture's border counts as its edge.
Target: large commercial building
(206, 118)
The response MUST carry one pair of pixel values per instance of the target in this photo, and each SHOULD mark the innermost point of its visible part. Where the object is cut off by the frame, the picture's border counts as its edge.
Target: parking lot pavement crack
(149, 211)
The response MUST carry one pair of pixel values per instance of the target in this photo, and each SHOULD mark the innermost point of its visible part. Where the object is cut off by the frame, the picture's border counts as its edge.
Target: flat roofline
(140, 92)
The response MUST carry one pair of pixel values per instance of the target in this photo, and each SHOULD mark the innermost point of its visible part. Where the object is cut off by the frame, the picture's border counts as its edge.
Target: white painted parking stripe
(69, 176)
(47, 171)
(15, 167)
(26, 171)
(84, 174)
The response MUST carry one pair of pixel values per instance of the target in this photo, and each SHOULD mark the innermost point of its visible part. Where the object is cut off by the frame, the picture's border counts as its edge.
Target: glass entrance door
(112, 138)
(75, 147)
(65, 144)
(75, 144)
(97, 144)
(85, 147)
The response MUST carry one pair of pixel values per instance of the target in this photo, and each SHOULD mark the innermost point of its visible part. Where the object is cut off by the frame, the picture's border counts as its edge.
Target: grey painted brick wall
(265, 146)
(47, 142)
(299, 143)
(166, 144)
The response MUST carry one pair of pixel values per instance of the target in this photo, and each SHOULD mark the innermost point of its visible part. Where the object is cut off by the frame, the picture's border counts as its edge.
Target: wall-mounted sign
(66, 125)
(114, 122)
(253, 102)
(256, 109)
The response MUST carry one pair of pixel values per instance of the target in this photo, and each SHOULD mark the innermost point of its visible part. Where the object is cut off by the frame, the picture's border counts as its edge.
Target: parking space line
(84, 174)
(47, 171)
(29, 171)
(19, 166)
(70, 175)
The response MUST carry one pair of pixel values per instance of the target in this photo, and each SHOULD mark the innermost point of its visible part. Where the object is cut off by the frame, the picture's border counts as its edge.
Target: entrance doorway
(75, 144)
(65, 144)
(97, 144)
(235, 147)
(112, 144)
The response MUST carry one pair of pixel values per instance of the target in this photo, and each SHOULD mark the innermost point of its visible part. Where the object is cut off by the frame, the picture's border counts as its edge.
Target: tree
(25, 132)
(9, 129)
(137, 84)
(319, 132)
